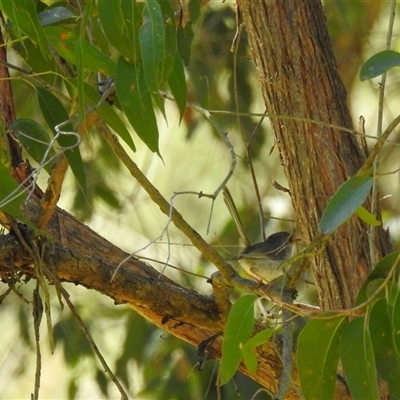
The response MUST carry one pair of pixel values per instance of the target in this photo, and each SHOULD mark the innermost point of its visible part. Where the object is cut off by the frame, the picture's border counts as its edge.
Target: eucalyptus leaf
(66, 43)
(54, 114)
(11, 194)
(177, 84)
(35, 139)
(318, 355)
(136, 101)
(380, 271)
(120, 21)
(367, 217)
(345, 202)
(249, 349)
(395, 318)
(152, 43)
(54, 15)
(379, 63)
(358, 360)
(386, 356)
(238, 331)
(25, 20)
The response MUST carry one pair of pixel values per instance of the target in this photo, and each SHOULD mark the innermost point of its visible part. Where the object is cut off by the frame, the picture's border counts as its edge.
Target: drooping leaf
(79, 57)
(136, 102)
(358, 360)
(249, 349)
(194, 10)
(125, 37)
(35, 139)
(54, 15)
(177, 83)
(380, 271)
(184, 41)
(318, 355)
(395, 318)
(152, 43)
(107, 113)
(345, 202)
(386, 357)
(65, 42)
(171, 48)
(73, 341)
(11, 195)
(237, 333)
(120, 21)
(54, 114)
(379, 64)
(367, 217)
(25, 20)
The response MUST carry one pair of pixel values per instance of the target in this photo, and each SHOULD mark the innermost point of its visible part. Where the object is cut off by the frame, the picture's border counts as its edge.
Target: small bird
(261, 261)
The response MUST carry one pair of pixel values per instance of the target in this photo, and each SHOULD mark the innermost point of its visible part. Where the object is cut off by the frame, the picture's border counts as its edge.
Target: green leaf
(238, 331)
(152, 43)
(184, 37)
(136, 102)
(396, 323)
(177, 84)
(379, 63)
(54, 15)
(171, 50)
(25, 19)
(108, 114)
(74, 344)
(52, 109)
(79, 57)
(35, 139)
(120, 23)
(367, 217)
(381, 270)
(249, 354)
(11, 195)
(318, 355)
(358, 361)
(54, 114)
(345, 202)
(65, 43)
(386, 357)
(195, 10)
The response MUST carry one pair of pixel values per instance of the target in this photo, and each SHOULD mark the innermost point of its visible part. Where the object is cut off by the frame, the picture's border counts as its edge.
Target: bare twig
(87, 334)
(37, 310)
(375, 191)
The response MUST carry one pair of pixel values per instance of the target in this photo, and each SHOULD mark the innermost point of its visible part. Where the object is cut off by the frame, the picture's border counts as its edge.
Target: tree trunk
(301, 87)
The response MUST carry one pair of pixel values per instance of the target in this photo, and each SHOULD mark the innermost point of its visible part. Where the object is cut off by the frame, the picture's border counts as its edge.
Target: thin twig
(247, 146)
(37, 311)
(375, 190)
(86, 332)
(287, 350)
(223, 135)
(301, 119)
(209, 253)
(378, 146)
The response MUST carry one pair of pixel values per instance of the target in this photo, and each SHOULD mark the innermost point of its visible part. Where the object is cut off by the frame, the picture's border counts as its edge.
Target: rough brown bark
(299, 78)
(7, 112)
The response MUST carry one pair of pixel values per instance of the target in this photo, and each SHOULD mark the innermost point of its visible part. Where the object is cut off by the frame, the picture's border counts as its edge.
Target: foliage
(68, 52)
